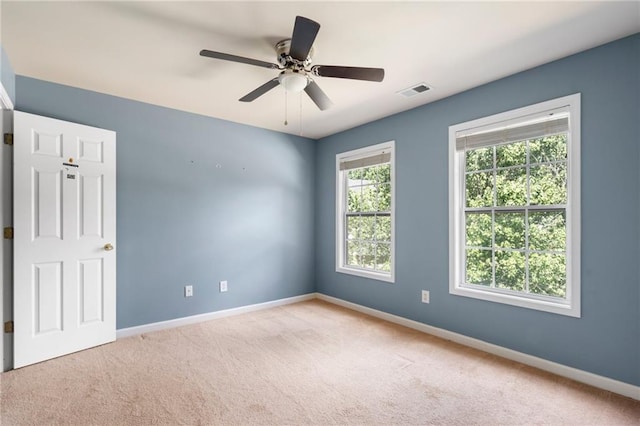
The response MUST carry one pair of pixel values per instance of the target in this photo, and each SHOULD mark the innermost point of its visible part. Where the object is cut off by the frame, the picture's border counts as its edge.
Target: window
(514, 200)
(364, 212)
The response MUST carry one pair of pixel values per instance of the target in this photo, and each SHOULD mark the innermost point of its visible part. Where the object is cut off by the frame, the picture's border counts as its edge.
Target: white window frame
(341, 266)
(569, 306)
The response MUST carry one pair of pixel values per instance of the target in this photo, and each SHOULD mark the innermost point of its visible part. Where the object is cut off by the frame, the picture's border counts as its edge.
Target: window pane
(379, 174)
(354, 177)
(369, 175)
(354, 199)
(547, 231)
(479, 159)
(548, 184)
(353, 253)
(478, 229)
(509, 229)
(367, 224)
(384, 198)
(479, 269)
(511, 187)
(547, 274)
(383, 228)
(551, 148)
(368, 251)
(369, 201)
(513, 154)
(510, 270)
(353, 227)
(479, 189)
(383, 257)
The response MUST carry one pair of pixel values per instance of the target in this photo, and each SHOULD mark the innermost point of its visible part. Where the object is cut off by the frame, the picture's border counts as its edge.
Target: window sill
(568, 309)
(366, 274)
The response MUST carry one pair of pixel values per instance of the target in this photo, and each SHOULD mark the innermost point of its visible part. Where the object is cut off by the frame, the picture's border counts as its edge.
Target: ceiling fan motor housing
(285, 60)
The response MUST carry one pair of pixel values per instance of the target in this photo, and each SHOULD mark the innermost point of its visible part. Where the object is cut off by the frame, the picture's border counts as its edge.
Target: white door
(64, 236)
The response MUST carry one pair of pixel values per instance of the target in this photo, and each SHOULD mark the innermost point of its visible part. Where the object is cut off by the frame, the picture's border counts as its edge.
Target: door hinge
(8, 233)
(8, 327)
(8, 138)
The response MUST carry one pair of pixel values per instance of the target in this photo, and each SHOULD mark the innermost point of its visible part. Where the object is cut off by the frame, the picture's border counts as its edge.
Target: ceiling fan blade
(304, 34)
(353, 73)
(318, 96)
(234, 58)
(260, 90)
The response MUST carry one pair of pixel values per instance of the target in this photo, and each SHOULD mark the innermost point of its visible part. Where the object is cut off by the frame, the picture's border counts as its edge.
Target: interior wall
(606, 340)
(199, 200)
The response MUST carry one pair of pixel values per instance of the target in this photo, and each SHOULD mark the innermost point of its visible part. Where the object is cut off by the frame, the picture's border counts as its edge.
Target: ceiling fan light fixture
(293, 81)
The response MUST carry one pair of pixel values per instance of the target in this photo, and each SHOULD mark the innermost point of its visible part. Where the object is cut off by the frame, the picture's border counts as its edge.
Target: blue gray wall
(7, 76)
(199, 200)
(606, 340)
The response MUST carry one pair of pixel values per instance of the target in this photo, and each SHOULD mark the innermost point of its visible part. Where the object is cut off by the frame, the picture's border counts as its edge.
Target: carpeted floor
(307, 363)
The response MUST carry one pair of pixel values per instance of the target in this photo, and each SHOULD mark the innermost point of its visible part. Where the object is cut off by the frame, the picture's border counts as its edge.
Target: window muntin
(514, 200)
(364, 240)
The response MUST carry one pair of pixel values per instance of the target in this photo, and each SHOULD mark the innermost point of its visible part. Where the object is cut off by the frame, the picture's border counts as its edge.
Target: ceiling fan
(294, 58)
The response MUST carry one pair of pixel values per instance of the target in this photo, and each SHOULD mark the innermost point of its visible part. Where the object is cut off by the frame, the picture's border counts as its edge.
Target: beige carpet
(308, 363)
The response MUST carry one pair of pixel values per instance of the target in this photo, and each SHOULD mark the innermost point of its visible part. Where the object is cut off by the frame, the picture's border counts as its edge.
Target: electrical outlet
(425, 296)
(223, 286)
(188, 290)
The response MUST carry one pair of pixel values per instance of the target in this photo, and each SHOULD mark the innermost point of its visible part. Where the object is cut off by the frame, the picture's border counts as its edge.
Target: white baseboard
(595, 380)
(156, 326)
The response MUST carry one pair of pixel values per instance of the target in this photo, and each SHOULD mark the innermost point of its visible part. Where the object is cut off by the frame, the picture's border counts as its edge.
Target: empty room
(300, 212)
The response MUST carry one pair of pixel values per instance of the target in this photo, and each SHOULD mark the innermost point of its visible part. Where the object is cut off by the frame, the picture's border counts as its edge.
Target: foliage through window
(365, 212)
(515, 207)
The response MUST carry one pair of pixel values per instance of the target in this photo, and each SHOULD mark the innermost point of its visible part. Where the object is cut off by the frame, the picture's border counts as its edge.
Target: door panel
(47, 289)
(64, 210)
(47, 144)
(91, 291)
(91, 151)
(47, 204)
(90, 205)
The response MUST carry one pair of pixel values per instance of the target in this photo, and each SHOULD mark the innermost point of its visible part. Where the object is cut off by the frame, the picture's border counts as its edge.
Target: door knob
(108, 247)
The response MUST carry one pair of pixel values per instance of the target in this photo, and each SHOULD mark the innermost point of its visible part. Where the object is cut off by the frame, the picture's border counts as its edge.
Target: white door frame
(5, 100)
(6, 247)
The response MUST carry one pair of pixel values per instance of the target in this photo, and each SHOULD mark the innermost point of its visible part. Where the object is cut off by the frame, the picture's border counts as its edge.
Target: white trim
(571, 305)
(339, 234)
(5, 99)
(581, 376)
(194, 319)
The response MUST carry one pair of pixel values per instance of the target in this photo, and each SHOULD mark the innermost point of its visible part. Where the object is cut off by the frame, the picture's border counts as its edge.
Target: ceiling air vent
(415, 90)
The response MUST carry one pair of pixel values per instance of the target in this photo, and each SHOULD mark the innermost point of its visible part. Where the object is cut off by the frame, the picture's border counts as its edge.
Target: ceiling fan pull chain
(300, 113)
(285, 108)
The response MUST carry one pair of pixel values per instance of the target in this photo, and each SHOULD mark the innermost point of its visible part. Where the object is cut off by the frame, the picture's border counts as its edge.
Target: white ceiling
(148, 51)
